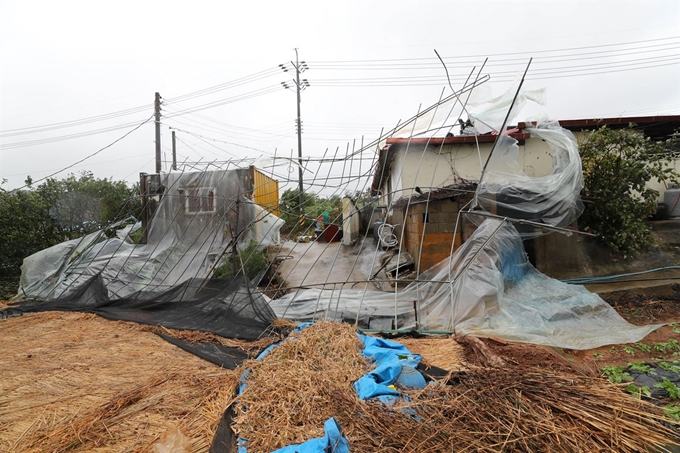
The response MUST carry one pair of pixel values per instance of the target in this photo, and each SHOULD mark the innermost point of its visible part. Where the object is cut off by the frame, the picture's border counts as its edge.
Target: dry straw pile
(307, 379)
(76, 382)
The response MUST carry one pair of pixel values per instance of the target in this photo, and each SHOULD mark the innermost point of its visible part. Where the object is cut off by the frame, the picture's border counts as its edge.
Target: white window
(197, 200)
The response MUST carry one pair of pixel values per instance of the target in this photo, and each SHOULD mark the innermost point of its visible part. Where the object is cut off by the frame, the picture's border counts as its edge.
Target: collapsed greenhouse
(307, 363)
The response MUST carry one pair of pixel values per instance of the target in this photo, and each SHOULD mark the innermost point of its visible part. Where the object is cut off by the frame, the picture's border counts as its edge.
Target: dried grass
(77, 382)
(292, 391)
(303, 382)
(440, 351)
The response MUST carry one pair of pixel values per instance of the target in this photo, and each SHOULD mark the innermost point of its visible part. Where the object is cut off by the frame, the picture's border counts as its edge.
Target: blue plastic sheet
(332, 442)
(394, 364)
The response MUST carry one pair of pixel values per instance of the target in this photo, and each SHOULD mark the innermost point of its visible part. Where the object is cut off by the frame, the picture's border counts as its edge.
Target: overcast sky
(370, 63)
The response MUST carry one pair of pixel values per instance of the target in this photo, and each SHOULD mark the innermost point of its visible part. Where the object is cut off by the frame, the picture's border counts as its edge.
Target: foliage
(616, 374)
(250, 261)
(670, 387)
(672, 411)
(670, 345)
(617, 165)
(629, 350)
(640, 367)
(314, 206)
(58, 210)
(639, 391)
(643, 347)
(669, 367)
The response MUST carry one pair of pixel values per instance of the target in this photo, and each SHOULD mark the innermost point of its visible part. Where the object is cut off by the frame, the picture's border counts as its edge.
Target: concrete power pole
(174, 152)
(157, 113)
(299, 85)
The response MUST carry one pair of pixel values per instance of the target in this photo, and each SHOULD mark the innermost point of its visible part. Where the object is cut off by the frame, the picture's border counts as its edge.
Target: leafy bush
(250, 261)
(617, 165)
(57, 210)
(314, 206)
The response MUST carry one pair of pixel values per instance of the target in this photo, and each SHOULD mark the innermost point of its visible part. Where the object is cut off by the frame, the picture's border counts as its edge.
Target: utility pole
(174, 152)
(300, 85)
(157, 113)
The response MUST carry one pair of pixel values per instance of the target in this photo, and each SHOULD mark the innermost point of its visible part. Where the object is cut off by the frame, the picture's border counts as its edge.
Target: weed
(643, 347)
(597, 354)
(669, 367)
(629, 350)
(612, 349)
(640, 367)
(670, 387)
(616, 374)
(661, 347)
(673, 345)
(672, 411)
(639, 391)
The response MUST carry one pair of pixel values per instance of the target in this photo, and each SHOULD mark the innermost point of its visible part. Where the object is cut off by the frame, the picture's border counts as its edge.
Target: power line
(60, 138)
(106, 116)
(90, 155)
(528, 52)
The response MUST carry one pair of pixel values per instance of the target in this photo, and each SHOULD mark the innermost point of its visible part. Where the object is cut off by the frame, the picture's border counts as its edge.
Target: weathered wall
(351, 222)
(433, 226)
(432, 168)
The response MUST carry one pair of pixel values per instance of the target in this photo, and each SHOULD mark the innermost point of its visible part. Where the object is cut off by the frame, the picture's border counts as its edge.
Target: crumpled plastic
(487, 287)
(173, 441)
(333, 441)
(394, 364)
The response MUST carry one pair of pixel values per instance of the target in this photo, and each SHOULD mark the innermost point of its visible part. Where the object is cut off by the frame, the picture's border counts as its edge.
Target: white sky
(71, 60)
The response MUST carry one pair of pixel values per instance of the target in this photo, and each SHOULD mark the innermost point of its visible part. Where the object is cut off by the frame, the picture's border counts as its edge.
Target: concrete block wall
(438, 223)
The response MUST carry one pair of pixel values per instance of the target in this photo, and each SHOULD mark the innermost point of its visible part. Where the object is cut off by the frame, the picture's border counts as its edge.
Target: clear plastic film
(197, 220)
(487, 288)
(553, 199)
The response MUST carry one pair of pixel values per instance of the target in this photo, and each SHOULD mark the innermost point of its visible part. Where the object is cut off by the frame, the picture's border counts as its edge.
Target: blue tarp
(394, 364)
(332, 442)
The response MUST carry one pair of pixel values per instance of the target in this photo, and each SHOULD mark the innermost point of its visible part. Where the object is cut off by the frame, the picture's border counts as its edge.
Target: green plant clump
(617, 165)
(643, 347)
(673, 412)
(670, 387)
(250, 261)
(629, 350)
(616, 374)
(640, 367)
(639, 391)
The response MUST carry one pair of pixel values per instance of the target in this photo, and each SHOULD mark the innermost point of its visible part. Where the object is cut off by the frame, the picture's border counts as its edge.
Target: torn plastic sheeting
(486, 288)
(191, 228)
(489, 115)
(394, 363)
(553, 199)
(333, 441)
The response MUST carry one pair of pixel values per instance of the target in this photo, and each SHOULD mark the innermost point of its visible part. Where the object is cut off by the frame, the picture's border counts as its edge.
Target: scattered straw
(78, 382)
(292, 391)
(440, 351)
(304, 381)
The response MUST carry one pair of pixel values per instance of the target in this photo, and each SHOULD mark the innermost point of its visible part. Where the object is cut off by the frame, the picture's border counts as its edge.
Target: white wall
(435, 168)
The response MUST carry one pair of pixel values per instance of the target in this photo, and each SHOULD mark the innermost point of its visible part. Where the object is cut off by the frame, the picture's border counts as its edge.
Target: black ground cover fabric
(231, 308)
(656, 375)
(224, 440)
(222, 356)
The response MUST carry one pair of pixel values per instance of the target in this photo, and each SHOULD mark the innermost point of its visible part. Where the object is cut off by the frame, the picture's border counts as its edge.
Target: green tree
(314, 206)
(617, 165)
(81, 205)
(25, 228)
(58, 210)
